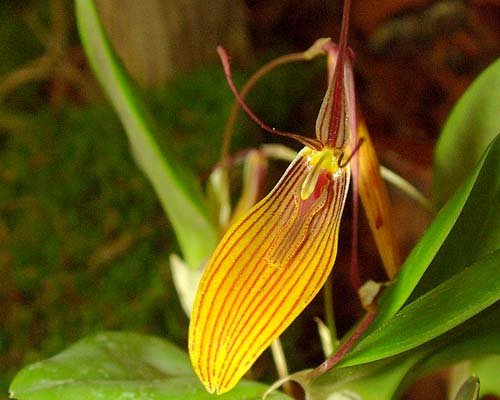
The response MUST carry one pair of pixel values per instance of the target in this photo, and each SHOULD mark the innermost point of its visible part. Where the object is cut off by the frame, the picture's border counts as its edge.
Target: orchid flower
(275, 258)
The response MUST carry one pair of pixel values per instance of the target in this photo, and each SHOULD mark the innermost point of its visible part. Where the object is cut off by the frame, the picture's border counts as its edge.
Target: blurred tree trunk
(157, 38)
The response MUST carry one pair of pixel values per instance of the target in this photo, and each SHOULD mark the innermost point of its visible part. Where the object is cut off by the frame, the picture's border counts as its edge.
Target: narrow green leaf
(471, 126)
(477, 339)
(466, 228)
(484, 183)
(372, 381)
(118, 365)
(476, 231)
(438, 311)
(390, 377)
(176, 187)
(457, 299)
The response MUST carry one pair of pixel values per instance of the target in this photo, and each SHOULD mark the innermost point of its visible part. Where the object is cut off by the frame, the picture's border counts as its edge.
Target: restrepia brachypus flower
(272, 261)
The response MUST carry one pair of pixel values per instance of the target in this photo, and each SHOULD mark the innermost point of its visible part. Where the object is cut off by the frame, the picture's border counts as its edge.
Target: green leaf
(477, 339)
(476, 231)
(448, 304)
(471, 126)
(390, 377)
(372, 381)
(116, 365)
(451, 273)
(438, 311)
(464, 229)
(176, 187)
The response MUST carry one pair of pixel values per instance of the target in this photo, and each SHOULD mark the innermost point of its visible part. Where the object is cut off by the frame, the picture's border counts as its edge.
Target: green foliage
(471, 126)
(444, 323)
(389, 377)
(120, 365)
(176, 186)
(461, 234)
(432, 315)
(75, 213)
(487, 368)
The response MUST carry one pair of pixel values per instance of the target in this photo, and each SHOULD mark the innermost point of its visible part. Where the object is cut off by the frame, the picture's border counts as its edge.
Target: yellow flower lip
(272, 261)
(266, 269)
(319, 160)
(327, 158)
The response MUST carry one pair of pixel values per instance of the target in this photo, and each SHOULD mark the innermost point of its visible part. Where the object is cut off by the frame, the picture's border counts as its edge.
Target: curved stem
(329, 309)
(280, 362)
(265, 69)
(407, 188)
(346, 346)
(318, 48)
(313, 143)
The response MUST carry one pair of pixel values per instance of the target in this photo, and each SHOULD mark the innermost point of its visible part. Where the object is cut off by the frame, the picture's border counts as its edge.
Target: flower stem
(329, 310)
(346, 346)
(406, 187)
(280, 363)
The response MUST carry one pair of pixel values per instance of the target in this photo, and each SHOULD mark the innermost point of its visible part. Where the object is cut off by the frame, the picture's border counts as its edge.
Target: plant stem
(329, 310)
(280, 363)
(346, 346)
(406, 187)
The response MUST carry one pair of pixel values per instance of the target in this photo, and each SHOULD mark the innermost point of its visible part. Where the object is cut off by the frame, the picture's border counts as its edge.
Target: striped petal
(266, 269)
(376, 203)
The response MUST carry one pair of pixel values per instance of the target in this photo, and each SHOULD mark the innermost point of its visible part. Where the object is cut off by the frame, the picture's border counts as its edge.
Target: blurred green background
(84, 244)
